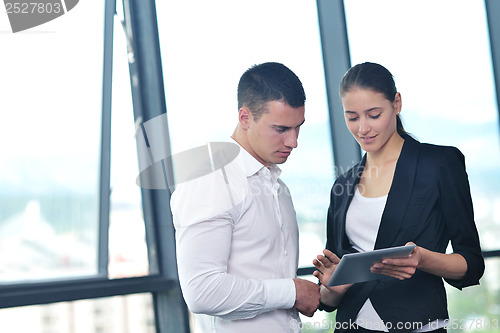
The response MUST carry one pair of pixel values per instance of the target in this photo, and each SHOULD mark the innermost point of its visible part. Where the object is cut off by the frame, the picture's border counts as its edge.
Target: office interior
(84, 248)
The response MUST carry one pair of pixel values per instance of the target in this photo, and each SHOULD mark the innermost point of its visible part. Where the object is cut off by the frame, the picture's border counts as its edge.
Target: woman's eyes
(372, 117)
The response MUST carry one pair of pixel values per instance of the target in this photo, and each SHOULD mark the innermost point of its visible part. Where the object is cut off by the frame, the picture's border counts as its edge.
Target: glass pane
(444, 72)
(49, 175)
(476, 308)
(127, 245)
(203, 57)
(119, 314)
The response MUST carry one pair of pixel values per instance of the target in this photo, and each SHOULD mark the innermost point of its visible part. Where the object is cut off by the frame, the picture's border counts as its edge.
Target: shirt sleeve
(457, 207)
(204, 225)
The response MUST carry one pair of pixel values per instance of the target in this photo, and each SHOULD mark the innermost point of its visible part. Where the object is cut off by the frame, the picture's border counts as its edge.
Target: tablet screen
(355, 267)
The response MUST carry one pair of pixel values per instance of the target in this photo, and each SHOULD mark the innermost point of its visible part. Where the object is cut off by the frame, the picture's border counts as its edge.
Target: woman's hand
(400, 268)
(449, 266)
(326, 265)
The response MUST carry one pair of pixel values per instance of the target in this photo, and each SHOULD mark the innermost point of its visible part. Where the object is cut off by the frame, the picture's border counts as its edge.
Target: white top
(237, 248)
(362, 224)
(363, 221)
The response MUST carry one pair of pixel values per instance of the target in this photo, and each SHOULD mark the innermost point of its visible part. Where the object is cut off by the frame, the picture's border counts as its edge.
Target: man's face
(272, 137)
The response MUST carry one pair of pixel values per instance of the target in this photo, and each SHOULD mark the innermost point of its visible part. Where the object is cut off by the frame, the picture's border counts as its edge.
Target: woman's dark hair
(375, 77)
(270, 81)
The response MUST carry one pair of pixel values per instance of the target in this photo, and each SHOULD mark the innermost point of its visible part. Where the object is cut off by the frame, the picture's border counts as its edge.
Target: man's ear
(244, 117)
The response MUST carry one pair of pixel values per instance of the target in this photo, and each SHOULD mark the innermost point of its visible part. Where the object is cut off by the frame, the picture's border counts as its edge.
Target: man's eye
(280, 129)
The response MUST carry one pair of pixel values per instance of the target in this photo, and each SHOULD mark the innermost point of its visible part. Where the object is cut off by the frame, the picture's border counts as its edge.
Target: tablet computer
(355, 267)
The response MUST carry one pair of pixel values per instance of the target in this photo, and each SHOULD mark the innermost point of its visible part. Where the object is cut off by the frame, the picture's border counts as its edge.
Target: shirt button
(286, 253)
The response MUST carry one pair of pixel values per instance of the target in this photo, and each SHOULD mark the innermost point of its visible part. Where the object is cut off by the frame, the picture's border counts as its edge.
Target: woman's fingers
(325, 265)
(328, 259)
(325, 261)
(398, 272)
(318, 265)
(332, 257)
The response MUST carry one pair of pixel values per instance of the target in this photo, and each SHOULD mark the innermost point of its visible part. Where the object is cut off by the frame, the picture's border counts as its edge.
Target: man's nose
(291, 138)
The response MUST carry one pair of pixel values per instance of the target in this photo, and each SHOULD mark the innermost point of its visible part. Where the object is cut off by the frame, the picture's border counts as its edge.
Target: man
(236, 228)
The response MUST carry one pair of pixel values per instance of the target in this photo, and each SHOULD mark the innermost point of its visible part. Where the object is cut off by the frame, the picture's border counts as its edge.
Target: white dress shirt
(237, 248)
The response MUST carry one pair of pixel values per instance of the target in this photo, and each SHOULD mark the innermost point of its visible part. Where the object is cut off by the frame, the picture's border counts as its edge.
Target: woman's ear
(397, 103)
(244, 117)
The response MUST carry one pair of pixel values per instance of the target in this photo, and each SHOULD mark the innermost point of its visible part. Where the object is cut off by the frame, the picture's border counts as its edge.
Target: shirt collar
(252, 166)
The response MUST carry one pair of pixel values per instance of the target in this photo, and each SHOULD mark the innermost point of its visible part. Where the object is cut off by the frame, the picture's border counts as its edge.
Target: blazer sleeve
(336, 239)
(330, 241)
(456, 203)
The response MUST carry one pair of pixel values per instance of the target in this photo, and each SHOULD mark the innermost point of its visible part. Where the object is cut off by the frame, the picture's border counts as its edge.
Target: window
(49, 183)
(203, 57)
(443, 70)
(119, 314)
(52, 220)
(445, 77)
(51, 105)
(128, 253)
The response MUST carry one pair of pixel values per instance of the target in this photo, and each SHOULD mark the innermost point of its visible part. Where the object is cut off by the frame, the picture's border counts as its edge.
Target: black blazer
(429, 203)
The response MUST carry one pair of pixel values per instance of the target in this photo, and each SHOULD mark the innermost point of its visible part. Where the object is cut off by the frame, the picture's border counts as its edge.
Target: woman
(402, 192)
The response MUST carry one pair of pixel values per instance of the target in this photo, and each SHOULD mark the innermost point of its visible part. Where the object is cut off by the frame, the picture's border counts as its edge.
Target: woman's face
(370, 117)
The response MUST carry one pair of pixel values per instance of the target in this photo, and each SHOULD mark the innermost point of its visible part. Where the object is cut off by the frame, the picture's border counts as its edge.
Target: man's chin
(280, 160)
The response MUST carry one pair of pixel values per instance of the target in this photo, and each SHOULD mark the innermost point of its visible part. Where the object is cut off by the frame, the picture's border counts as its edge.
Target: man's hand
(307, 296)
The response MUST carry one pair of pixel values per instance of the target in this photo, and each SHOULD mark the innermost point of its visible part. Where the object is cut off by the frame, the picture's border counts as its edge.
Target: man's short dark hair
(270, 81)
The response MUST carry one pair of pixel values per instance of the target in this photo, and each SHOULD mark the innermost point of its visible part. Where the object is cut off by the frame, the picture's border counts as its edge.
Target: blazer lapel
(399, 194)
(350, 187)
